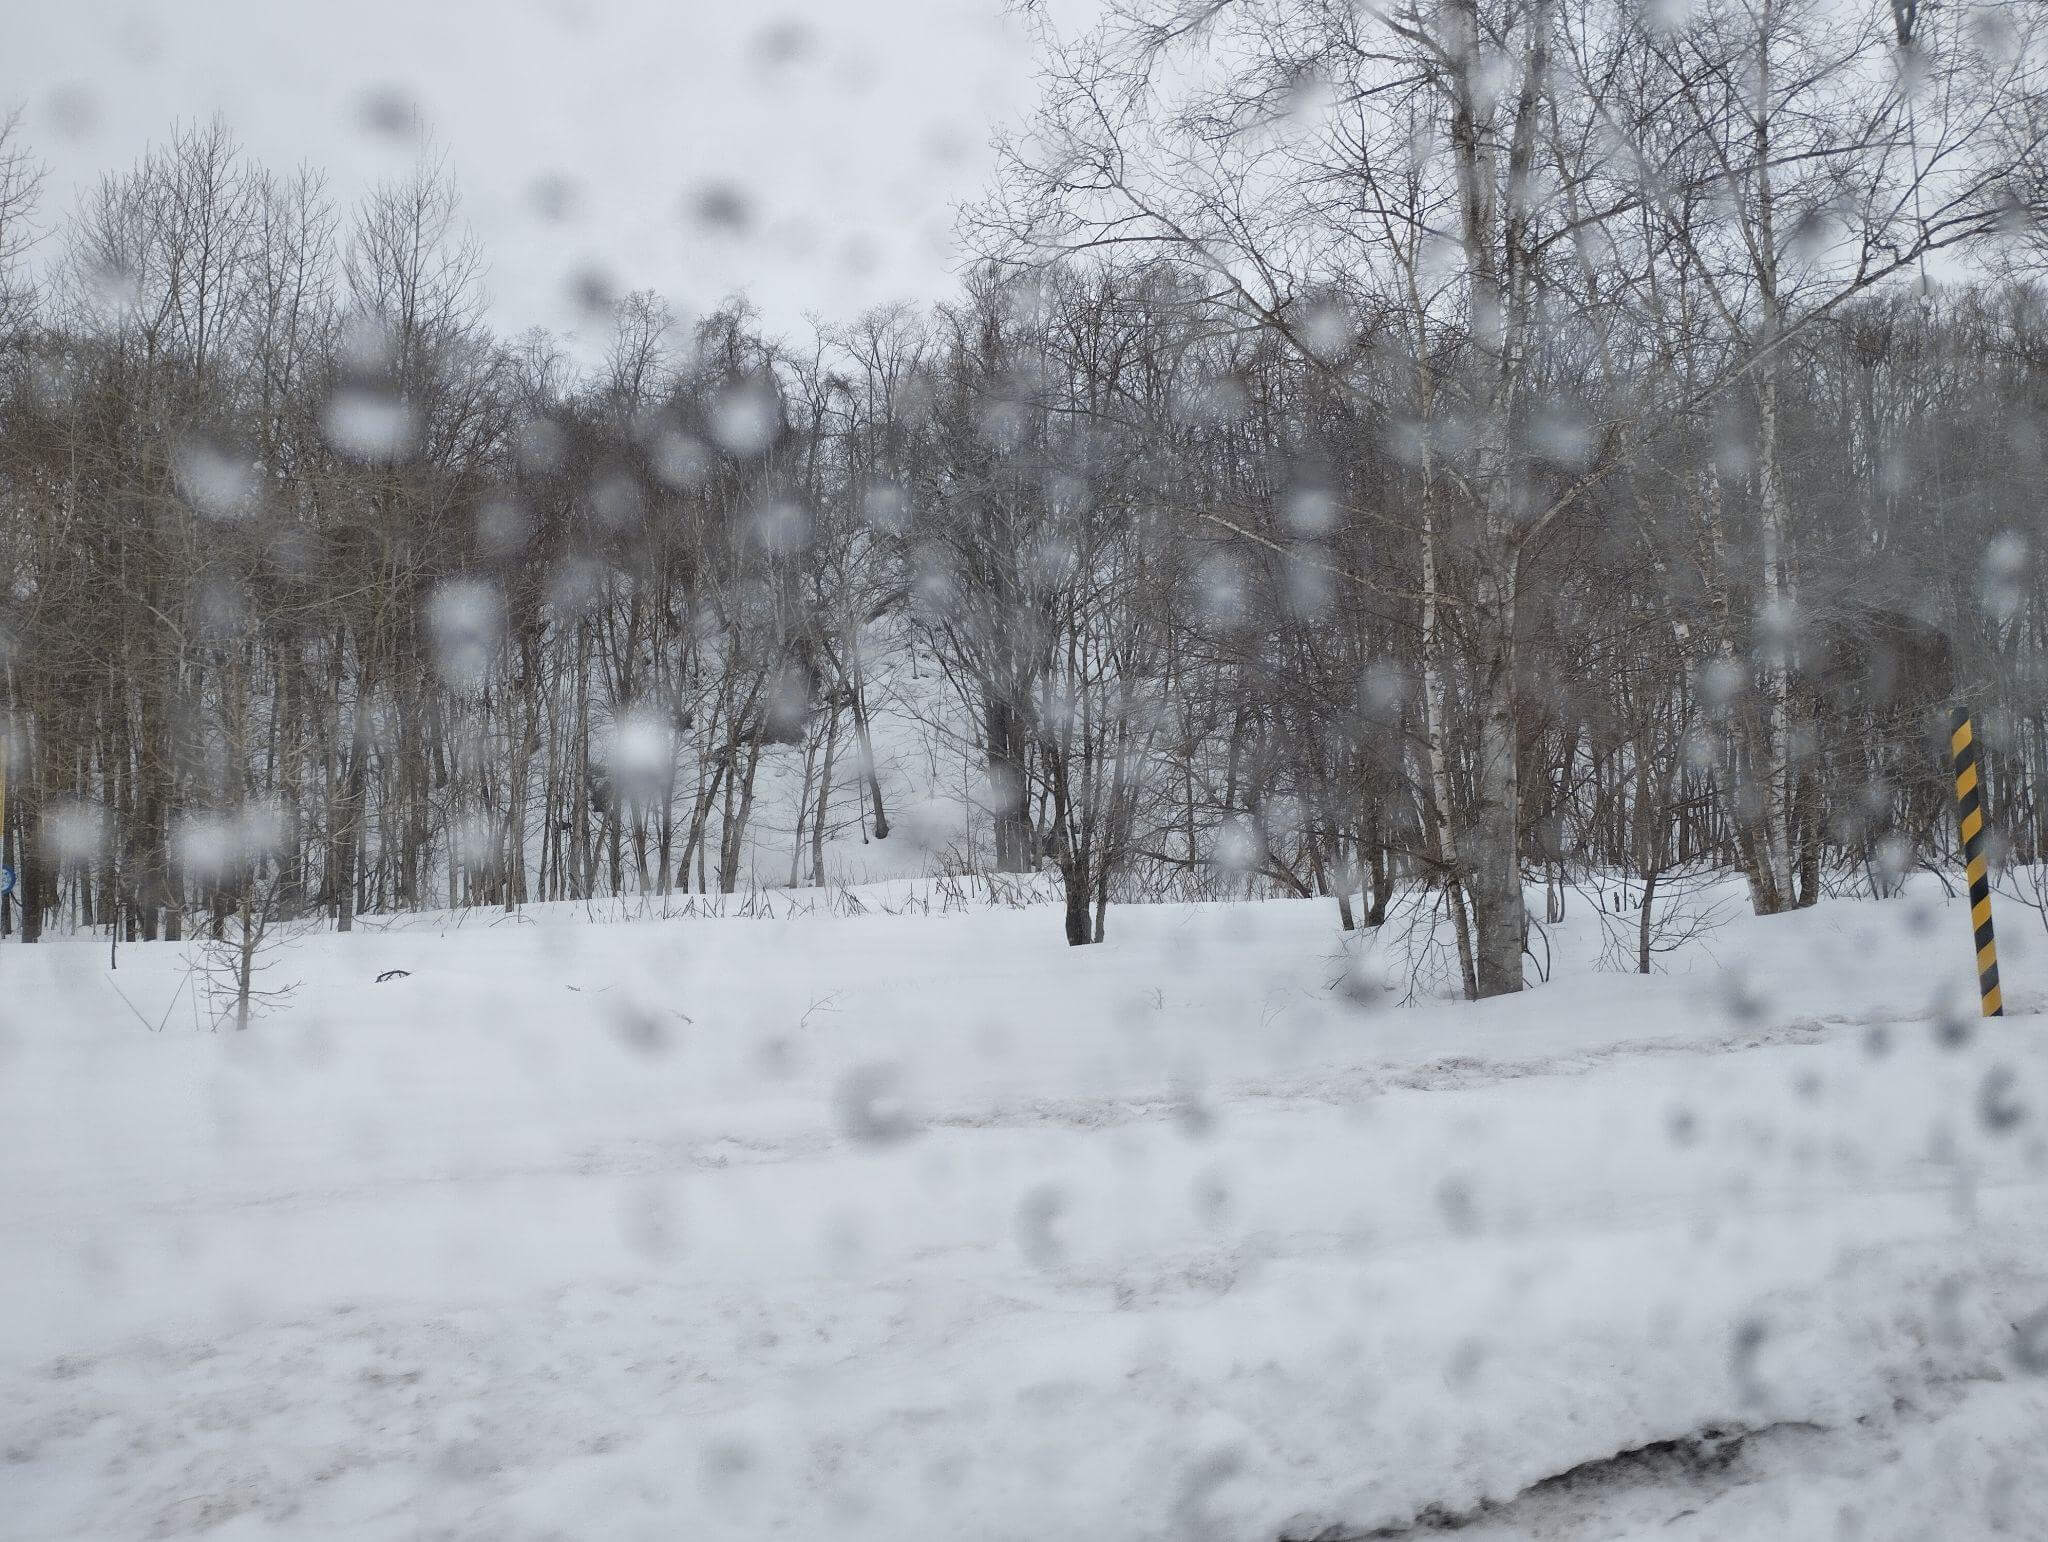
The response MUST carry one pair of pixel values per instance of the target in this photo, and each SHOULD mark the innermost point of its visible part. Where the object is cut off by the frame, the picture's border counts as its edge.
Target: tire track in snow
(1337, 1086)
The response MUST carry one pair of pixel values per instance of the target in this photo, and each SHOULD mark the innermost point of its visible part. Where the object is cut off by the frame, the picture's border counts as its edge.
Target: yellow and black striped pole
(1970, 810)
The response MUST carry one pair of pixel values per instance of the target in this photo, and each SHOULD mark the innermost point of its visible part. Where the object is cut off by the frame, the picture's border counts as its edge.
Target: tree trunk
(1006, 787)
(867, 760)
(824, 802)
(1494, 863)
(1643, 928)
(1074, 879)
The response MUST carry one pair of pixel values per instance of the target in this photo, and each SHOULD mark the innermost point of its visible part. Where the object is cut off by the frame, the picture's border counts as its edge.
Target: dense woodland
(1440, 454)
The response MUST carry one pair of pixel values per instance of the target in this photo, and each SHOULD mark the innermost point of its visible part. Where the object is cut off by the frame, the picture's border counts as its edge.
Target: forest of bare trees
(1445, 452)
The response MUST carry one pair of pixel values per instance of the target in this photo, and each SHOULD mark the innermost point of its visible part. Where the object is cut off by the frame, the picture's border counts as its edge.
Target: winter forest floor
(893, 1226)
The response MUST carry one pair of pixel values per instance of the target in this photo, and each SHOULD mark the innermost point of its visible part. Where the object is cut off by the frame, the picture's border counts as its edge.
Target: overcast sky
(845, 128)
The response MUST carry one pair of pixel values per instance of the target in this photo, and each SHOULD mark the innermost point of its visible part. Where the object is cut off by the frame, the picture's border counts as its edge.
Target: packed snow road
(868, 1227)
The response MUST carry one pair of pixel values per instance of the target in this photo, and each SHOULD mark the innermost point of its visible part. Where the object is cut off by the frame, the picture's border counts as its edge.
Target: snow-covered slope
(901, 1225)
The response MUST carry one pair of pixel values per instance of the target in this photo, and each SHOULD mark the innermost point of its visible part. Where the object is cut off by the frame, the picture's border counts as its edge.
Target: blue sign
(6, 880)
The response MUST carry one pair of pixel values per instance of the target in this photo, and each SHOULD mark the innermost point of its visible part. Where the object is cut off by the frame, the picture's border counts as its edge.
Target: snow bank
(842, 1227)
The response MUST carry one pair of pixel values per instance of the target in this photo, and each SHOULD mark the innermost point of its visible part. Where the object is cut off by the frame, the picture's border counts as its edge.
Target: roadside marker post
(1970, 811)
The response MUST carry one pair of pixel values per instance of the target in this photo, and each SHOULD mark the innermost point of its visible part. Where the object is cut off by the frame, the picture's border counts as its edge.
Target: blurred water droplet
(2030, 1343)
(593, 292)
(1563, 437)
(886, 508)
(542, 443)
(1195, 1118)
(1814, 230)
(213, 847)
(721, 209)
(1455, 1202)
(727, 1464)
(464, 619)
(503, 528)
(1740, 998)
(641, 1030)
(576, 585)
(681, 462)
(1311, 511)
(73, 110)
(746, 419)
(477, 841)
(1311, 590)
(1004, 423)
(871, 1108)
(789, 705)
(1238, 848)
(1220, 590)
(554, 196)
(1953, 1028)
(780, 44)
(112, 285)
(1327, 329)
(1745, 1349)
(1218, 399)
(1466, 1362)
(369, 424)
(1361, 983)
(75, 831)
(388, 110)
(1723, 680)
(1999, 1104)
(1037, 1225)
(2002, 588)
(217, 483)
(781, 527)
(618, 503)
(641, 756)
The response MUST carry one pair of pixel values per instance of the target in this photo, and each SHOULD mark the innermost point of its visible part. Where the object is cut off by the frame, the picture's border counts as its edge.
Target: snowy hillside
(906, 1225)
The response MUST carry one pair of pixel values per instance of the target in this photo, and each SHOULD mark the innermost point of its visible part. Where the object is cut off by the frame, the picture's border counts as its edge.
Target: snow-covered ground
(912, 1225)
